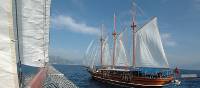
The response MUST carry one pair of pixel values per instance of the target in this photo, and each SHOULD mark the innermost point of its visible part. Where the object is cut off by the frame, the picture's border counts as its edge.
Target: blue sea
(80, 77)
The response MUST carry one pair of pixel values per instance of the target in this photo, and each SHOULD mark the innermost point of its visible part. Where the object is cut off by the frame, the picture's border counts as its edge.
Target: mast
(101, 40)
(133, 25)
(134, 42)
(114, 38)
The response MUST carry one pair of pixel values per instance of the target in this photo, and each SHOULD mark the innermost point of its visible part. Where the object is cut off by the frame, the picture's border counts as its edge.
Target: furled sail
(34, 38)
(8, 67)
(149, 48)
(121, 57)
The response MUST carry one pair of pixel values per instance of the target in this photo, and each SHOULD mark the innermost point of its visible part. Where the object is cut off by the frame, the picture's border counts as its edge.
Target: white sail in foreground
(8, 67)
(34, 38)
(149, 48)
(121, 57)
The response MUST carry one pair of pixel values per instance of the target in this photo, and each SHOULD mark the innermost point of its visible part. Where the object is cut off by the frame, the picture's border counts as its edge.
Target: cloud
(167, 39)
(73, 25)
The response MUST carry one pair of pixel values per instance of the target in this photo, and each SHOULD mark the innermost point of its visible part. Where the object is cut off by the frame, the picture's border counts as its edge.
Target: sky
(74, 23)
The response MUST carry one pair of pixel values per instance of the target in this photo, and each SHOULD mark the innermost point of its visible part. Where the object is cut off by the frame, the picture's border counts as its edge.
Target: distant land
(63, 61)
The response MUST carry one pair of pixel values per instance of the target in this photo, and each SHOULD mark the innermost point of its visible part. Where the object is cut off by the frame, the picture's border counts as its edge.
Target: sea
(81, 78)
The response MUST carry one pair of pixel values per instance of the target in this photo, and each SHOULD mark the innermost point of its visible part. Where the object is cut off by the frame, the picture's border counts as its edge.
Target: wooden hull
(132, 81)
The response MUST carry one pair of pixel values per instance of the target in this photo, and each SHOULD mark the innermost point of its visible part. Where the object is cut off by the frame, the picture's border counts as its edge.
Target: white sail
(93, 54)
(34, 38)
(149, 48)
(106, 55)
(95, 57)
(8, 67)
(88, 53)
(121, 57)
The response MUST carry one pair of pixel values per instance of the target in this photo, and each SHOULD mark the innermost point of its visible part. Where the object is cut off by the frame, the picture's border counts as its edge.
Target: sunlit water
(79, 76)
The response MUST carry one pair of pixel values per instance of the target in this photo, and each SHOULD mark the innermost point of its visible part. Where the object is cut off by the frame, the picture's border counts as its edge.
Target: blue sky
(74, 23)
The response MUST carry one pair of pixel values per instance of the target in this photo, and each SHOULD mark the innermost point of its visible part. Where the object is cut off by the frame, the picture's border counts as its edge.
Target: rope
(18, 46)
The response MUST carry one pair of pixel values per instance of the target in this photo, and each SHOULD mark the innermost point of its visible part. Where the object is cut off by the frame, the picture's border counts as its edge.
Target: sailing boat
(24, 33)
(149, 64)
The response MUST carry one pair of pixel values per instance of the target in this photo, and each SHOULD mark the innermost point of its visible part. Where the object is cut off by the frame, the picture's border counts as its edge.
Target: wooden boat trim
(128, 83)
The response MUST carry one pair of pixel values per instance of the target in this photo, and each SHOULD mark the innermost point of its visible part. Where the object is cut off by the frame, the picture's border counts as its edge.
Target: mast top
(114, 38)
(115, 29)
(102, 27)
(101, 40)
